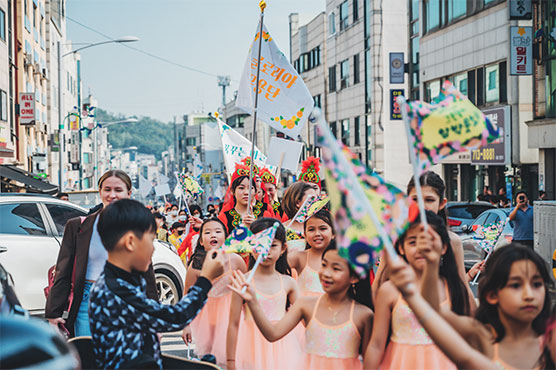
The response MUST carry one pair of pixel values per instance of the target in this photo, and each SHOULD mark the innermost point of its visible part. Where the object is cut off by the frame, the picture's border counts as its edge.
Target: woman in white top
(81, 260)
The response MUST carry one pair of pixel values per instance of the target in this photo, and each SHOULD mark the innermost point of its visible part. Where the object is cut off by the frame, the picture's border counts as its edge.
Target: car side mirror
(465, 228)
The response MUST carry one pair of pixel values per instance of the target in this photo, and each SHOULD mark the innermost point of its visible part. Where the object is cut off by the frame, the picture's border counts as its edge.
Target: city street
(328, 181)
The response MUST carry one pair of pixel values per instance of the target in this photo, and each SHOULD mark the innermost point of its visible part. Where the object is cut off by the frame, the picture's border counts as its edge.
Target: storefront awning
(30, 181)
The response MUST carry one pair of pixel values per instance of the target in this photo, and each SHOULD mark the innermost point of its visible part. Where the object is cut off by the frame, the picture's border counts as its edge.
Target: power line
(143, 51)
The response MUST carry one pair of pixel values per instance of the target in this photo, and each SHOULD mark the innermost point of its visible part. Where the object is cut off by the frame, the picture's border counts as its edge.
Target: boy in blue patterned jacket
(124, 321)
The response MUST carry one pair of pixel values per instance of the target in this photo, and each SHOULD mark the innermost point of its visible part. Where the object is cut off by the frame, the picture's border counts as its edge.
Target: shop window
(432, 90)
(460, 81)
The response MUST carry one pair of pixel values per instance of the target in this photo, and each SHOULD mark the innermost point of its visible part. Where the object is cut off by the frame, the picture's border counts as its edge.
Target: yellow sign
(459, 121)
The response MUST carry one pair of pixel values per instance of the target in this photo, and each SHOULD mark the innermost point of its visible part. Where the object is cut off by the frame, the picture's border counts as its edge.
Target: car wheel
(167, 289)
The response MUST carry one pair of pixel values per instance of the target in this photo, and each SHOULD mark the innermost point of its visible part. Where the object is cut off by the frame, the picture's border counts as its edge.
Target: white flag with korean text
(235, 147)
(284, 101)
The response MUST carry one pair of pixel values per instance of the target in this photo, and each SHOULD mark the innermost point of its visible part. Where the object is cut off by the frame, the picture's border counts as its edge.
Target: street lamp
(61, 138)
(119, 41)
(95, 138)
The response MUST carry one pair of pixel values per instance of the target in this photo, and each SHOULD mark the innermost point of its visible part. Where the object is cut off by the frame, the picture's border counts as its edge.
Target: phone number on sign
(486, 154)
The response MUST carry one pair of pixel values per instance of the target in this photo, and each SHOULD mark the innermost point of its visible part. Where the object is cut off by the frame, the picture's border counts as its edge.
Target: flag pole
(262, 5)
(416, 179)
(358, 190)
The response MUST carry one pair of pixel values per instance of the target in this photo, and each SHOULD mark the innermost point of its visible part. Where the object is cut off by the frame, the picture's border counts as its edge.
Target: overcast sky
(208, 35)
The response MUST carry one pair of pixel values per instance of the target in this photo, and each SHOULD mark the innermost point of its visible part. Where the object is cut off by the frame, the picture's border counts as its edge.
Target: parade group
(305, 306)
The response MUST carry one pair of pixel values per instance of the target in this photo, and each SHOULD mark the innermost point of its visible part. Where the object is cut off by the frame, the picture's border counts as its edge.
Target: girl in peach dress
(337, 324)
(319, 232)
(410, 346)
(276, 290)
(208, 329)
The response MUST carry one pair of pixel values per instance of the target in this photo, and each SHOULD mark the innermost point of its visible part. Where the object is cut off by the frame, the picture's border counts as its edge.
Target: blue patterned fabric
(124, 321)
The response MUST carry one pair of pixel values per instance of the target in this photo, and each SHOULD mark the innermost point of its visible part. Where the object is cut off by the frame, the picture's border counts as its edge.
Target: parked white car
(31, 229)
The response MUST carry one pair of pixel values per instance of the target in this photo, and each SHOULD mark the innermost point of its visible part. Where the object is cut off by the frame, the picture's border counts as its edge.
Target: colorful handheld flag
(310, 207)
(189, 185)
(489, 234)
(244, 241)
(284, 101)
(359, 238)
(451, 124)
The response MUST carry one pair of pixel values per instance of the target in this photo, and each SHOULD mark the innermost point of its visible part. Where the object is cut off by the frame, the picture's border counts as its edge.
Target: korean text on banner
(451, 124)
(284, 101)
(235, 148)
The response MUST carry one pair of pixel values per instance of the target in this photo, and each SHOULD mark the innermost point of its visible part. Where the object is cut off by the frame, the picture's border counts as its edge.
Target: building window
(460, 82)
(332, 79)
(355, 10)
(344, 9)
(491, 84)
(331, 24)
(333, 128)
(317, 101)
(2, 25)
(345, 131)
(3, 106)
(432, 90)
(34, 16)
(344, 74)
(432, 15)
(456, 9)
(357, 131)
(356, 79)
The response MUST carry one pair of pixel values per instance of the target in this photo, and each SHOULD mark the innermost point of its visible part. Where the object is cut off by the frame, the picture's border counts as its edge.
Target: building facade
(7, 79)
(470, 44)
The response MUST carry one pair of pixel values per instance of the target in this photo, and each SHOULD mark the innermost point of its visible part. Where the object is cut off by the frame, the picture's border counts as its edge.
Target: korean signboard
(397, 68)
(395, 110)
(498, 152)
(521, 51)
(27, 108)
(520, 9)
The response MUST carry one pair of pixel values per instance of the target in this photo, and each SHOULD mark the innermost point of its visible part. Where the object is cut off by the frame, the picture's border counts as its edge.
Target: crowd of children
(306, 308)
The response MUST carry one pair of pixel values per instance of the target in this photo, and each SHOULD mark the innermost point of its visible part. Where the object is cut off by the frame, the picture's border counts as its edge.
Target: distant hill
(149, 135)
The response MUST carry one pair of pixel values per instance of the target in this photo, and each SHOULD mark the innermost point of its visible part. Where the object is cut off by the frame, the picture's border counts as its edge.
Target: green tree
(149, 135)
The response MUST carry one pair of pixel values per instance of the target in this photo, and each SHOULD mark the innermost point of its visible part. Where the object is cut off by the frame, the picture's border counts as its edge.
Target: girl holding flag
(294, 197)
(276, 290)
(337, 324)
(319, 232)
(410, 346)
(235, 210)
(208, 329)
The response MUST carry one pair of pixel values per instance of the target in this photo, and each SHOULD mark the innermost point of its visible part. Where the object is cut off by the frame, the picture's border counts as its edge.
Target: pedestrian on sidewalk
(522, 217)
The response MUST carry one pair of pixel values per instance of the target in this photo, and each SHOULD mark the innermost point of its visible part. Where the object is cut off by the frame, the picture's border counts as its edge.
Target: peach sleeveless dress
(210, 326)
(332, 347)
(410, 346)
(504, 366)
(308, 281)
(253, 350)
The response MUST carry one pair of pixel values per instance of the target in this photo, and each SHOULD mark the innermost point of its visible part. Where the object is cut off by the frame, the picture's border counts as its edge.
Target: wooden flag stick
(414, 161)
(262, 5)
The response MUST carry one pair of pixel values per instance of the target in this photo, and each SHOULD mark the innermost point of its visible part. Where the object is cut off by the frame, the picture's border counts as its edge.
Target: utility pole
(223, 82)
(175, 146)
